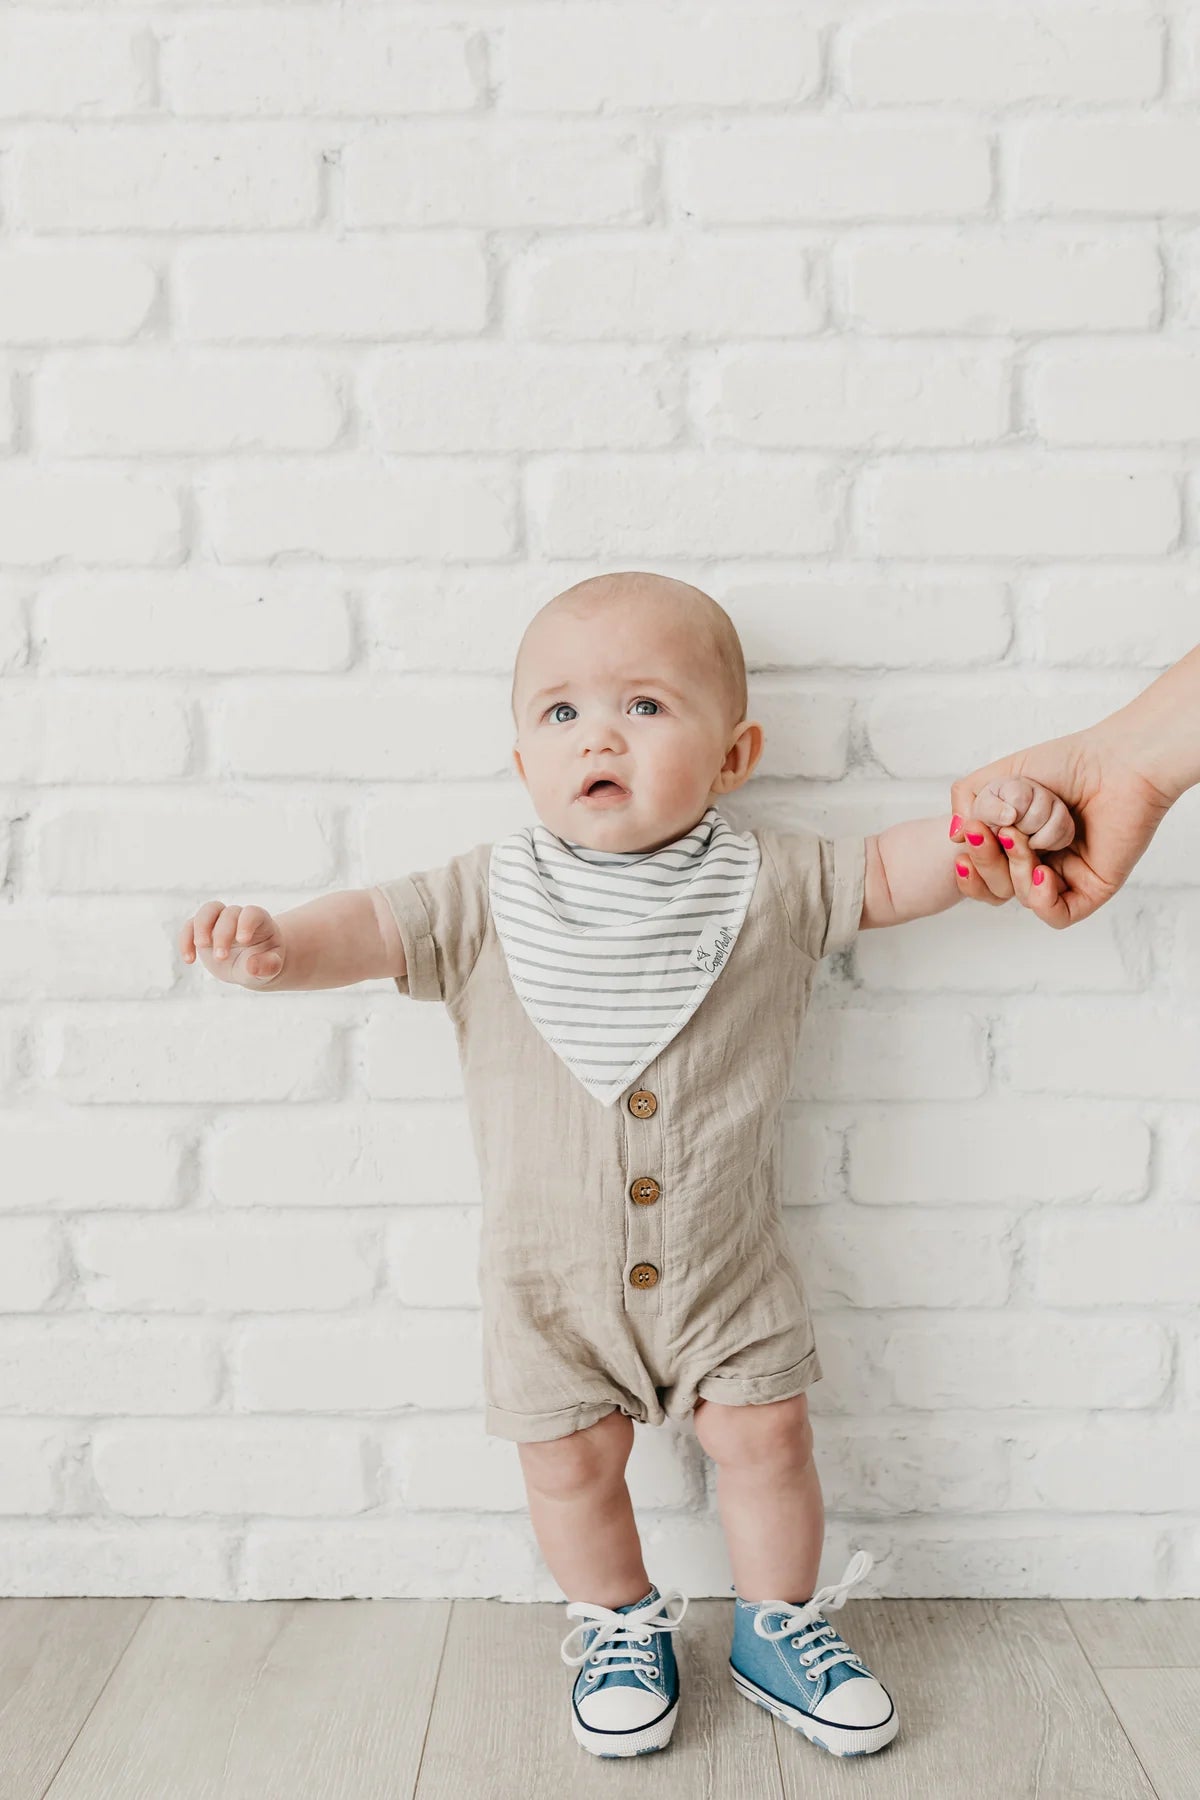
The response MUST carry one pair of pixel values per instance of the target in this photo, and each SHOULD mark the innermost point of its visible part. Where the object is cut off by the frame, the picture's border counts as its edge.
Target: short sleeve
(821, 882)
(442, 916)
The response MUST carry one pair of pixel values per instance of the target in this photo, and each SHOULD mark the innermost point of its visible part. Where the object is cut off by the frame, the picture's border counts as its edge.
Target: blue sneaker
(804, 1673)
(626, 1696)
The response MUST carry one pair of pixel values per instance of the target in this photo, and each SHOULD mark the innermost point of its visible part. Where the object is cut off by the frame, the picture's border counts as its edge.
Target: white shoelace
(824, 1647)
(615, 1645)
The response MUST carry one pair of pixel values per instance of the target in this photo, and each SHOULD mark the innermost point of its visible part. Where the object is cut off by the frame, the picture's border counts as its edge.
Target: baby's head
(639, 678)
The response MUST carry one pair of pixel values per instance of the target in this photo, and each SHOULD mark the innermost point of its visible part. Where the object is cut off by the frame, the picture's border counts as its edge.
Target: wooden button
(645, 1191)
(643, 1104)
(643, 1275)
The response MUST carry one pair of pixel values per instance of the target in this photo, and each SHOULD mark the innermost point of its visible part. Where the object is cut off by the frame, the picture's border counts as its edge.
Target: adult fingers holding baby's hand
(1036, 884)
(987, 876)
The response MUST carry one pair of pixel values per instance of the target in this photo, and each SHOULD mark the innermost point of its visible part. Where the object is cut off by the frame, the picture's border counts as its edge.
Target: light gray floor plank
(501, 1726)
(55, 1657)
(996, 1702)
(1137, 1634)
(264, 1700)
(1160, 1710)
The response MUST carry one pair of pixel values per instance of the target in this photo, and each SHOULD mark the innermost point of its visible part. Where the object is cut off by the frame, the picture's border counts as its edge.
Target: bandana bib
(611, 951)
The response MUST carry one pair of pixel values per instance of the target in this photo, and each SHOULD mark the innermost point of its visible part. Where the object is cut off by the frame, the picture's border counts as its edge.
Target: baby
(627, 980)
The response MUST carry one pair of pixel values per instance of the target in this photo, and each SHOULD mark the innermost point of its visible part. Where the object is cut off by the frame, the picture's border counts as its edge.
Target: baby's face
(621, 694)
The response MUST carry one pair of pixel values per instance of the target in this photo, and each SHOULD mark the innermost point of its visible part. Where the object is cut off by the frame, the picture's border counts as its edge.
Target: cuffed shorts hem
(538, 1427)
(753, 1390)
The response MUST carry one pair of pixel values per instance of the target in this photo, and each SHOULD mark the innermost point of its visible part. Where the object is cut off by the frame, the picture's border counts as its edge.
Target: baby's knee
(773, 1432)
(564, 1467)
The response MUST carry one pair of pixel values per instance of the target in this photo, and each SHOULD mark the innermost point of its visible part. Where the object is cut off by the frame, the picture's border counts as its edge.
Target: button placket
(643, 1217)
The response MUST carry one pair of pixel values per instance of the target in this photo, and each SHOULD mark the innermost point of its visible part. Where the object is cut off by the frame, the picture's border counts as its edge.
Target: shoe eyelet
(592, 1675)
(809, 1676)
(795, 1643)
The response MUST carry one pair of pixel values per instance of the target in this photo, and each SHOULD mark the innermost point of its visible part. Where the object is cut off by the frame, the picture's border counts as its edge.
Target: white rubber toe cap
(862, 1701)
(620, 1708)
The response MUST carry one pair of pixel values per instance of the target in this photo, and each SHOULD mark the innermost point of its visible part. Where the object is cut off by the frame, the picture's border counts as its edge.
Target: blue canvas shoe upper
(628, 1678)
(793, 1654)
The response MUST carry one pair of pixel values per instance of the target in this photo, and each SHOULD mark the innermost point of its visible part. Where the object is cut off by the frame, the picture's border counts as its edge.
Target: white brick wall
(336, 340)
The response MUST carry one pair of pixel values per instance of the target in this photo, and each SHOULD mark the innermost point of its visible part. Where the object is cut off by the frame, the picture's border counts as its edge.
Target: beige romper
(633, 1256)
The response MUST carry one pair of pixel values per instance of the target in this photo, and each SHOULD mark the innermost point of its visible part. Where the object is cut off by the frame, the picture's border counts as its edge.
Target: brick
(82, 731)
(1143, 1465)
(407, 287)
(182, 848)
(168, 177)
(1028, 1361)
(1123, 1048)
(388, 728)
(976, 949)
(902, 1469)
(217, 1262)
(997, 507)
(835, 395)
(32, 1456)
(76, 69)
(843, 618)
(88, 516)
(1131, 167)
(665, 284)
(422, 509)
(211, 1053)
(1084, 616)
(84, 1366)
(148, 403)
(1146, 1258)
(76, 1161)
(381, 1155)
(511, 397)
(496, 174)
(944, 729)
(1127, 394)
(820, 169)
(943, 1155)
(986, 58)
(918, 1054)
(425, 1359)
(69, 952)
(988, 280)
(31, 1265)
(56, 295)
(135, 622)
(232, 1466)
(867, 1259)
(593, 58)
(320, 63)
(432, 1256)
(658, 505)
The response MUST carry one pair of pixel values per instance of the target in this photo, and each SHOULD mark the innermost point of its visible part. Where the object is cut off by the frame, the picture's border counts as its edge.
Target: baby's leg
(582, 1514)
(768, 1494)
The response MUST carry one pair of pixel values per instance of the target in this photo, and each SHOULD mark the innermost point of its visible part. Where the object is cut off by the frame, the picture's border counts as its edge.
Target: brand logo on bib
(712, 947)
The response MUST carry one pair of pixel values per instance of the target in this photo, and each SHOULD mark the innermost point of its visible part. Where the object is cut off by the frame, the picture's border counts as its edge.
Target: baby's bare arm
(910, 873)
(333, 941)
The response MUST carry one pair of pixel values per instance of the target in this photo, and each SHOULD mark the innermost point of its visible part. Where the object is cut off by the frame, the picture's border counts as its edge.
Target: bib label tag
(712, 946)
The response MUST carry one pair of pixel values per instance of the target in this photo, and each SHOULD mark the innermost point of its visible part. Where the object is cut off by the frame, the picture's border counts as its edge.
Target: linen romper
(633, 1256)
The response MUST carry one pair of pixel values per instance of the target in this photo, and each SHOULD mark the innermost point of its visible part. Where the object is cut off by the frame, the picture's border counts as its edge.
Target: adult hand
(1116, 811)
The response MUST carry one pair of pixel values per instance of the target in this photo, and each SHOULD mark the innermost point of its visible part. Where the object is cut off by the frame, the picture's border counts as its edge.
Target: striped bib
(611, 951)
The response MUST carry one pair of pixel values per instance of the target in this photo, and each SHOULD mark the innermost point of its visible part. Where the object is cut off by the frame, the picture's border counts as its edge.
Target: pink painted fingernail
(1007, 842)
(955, 824)
(962, 869)
(972, 839)
(1039, 875)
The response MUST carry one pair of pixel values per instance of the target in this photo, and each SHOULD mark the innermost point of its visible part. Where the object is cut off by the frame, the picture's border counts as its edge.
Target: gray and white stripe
(610, 952)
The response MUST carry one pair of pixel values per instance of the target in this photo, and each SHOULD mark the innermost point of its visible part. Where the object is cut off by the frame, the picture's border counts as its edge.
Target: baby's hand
(1030, 820)
(249, 932)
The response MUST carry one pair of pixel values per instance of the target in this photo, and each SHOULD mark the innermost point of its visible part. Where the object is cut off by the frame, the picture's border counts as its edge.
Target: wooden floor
(468, 1700)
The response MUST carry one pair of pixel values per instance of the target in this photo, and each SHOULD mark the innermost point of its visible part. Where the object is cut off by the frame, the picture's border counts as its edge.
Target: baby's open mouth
(603, 786)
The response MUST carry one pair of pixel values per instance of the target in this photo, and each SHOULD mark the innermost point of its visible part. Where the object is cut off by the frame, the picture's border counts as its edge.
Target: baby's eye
(645, 701)
(556, 706)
